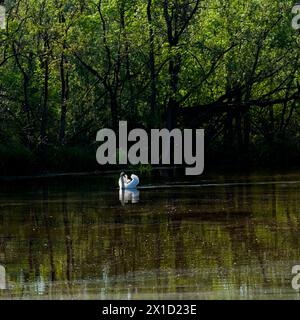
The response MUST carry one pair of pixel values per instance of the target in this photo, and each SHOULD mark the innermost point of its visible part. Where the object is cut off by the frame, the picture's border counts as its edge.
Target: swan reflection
(2, 278)
(129, 196)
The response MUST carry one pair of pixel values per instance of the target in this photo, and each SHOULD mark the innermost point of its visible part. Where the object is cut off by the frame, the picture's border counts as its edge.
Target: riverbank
(155, 172)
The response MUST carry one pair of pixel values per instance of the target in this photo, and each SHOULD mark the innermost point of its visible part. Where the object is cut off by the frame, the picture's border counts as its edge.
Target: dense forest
(71, 67)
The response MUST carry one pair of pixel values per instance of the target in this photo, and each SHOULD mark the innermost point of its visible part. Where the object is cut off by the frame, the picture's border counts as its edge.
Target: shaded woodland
(69, 68)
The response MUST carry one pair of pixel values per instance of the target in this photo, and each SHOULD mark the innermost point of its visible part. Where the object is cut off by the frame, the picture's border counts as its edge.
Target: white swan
(129, 196)
(125, 183)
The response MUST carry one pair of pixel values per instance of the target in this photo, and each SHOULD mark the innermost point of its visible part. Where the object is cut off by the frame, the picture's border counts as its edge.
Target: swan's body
(125, 183)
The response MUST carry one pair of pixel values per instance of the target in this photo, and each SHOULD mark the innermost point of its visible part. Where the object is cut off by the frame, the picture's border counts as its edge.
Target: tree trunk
(153, 94)
(132, 108)
(26, 81)
(173, 105)
(44, 121)
(64, 100)
(247, 131)
(114, 111)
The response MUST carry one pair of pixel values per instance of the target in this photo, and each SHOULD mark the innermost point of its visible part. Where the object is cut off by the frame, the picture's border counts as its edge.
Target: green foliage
(143, 169)
(70, 67)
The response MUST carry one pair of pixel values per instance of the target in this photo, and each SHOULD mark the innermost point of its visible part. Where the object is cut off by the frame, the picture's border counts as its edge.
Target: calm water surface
(210, 237)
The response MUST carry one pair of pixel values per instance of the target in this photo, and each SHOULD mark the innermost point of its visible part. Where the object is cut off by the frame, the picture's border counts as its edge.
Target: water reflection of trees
(172, 241)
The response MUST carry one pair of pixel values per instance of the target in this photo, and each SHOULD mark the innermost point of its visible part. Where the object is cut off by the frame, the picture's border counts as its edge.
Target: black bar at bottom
(146, 309)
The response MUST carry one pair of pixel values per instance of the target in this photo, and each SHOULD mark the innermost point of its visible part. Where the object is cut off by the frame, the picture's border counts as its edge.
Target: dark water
(217, 237)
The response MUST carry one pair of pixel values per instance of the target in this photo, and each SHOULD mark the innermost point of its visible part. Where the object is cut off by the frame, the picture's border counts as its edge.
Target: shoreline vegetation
(19, 161)
(68, 70)
(152, 172)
